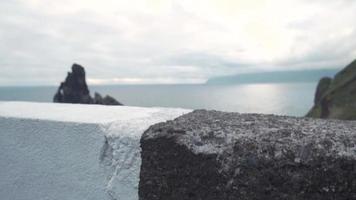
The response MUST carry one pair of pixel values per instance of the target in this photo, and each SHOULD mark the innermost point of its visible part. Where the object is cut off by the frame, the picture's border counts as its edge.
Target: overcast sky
(170, 41)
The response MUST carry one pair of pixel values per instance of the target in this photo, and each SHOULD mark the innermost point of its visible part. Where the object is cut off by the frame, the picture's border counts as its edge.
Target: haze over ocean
(292, 99)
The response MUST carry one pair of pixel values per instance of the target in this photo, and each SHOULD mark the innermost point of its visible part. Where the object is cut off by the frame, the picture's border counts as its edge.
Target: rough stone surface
(212, 155)
(336, 97)
(75, 90)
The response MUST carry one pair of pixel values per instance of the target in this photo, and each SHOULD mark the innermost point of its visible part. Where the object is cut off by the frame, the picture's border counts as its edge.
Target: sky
(170, 41)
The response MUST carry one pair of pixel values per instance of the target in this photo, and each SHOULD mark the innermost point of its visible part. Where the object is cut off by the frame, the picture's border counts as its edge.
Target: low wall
(214, 155)
(66, 152)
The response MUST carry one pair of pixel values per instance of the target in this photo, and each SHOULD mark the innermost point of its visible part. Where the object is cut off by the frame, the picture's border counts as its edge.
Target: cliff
(335, 98)
(75, 90)
(214, 155)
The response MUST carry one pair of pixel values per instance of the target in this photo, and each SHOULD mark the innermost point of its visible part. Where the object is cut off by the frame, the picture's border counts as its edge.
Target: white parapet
(63, 151)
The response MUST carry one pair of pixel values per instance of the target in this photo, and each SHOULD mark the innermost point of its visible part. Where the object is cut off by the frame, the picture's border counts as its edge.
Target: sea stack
(335, 98)
(75, 90)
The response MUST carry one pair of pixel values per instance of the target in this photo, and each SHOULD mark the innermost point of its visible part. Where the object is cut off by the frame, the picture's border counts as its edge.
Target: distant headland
(291, 76)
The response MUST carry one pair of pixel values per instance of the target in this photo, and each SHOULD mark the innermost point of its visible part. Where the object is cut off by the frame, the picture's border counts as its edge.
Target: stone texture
(336, 97)
(75, 90)
(212, 155)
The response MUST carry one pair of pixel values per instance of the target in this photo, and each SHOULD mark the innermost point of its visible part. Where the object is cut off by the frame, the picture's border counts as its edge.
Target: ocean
(293, 99)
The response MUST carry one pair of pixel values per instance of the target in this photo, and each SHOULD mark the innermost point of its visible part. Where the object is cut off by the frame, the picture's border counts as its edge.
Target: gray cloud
(38, 45)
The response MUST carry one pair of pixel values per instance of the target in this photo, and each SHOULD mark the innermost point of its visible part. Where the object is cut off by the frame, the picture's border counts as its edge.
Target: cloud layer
(170, 41)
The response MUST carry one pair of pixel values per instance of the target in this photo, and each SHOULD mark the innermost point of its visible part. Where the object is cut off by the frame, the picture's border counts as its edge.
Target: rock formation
(107, 100)
(336, 97)
(75, 90)
(214, 155)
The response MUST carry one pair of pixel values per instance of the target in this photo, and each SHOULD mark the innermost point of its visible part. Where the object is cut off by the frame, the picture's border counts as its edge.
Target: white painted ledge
(65, 151)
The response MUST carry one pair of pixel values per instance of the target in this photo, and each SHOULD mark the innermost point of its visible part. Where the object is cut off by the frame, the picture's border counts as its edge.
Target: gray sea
(294, 99)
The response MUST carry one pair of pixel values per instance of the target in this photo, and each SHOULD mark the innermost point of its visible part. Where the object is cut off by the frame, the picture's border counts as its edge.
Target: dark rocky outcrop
(75, 90)
(212, 155)
(336, 98)
(107, 100)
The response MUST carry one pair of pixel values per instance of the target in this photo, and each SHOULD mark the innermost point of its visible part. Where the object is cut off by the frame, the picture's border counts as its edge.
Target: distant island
(274, 77)
(75, 90)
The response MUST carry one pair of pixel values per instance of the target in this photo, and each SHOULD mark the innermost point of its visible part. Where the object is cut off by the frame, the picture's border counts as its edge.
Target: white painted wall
(75, 152)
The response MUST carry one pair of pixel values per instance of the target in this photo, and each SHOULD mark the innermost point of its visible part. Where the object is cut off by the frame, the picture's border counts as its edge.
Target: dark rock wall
(211, 155)
(174, 172)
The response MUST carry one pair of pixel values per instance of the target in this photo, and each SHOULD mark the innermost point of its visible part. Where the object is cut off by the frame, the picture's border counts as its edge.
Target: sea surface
(294, 99)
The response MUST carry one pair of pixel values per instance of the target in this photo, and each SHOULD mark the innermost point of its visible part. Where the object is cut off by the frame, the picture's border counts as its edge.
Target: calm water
(286, 99)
